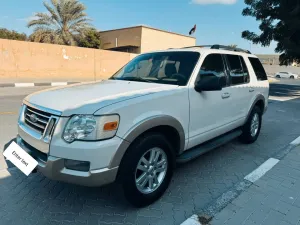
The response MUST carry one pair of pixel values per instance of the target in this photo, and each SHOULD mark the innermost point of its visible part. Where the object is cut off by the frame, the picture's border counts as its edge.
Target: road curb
(272, 80)
(39, 84)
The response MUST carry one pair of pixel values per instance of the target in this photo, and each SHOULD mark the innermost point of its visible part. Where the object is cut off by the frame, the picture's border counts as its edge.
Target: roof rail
(229, 48)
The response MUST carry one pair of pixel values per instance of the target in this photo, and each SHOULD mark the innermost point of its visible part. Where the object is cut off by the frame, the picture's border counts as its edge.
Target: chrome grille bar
(40, 120)
(38, 113)
(35, 124)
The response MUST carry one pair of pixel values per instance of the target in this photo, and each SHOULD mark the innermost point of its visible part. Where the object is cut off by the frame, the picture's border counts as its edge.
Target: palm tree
(233, 46)
(64, 21)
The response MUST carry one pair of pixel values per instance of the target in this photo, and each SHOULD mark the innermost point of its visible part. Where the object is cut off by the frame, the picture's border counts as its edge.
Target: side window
(245, 70)
(212, 65)
(258, 69)
(235, 70)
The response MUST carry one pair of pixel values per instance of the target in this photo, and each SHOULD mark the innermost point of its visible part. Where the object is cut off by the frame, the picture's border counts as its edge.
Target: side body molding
(143, 126)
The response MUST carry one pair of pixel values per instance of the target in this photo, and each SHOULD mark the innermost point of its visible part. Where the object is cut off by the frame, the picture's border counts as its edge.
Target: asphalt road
(38, 200)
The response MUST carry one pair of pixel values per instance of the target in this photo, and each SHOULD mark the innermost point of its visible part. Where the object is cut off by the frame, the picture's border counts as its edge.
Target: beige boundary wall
(34, 62)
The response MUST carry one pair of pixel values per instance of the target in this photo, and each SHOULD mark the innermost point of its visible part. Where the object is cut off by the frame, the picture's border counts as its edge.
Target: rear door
(284, 74)
(240, 89)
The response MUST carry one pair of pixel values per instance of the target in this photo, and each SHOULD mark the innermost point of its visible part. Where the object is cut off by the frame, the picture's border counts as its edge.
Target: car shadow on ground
(284, 90)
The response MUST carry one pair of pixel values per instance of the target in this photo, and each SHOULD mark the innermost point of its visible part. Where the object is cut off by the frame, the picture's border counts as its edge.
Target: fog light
(77, 165)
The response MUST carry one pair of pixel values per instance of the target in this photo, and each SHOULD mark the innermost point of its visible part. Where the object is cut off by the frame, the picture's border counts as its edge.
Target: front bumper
(54, 168)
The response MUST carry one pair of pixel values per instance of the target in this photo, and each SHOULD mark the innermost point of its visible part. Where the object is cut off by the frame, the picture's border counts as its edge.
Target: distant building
(269, 59)
(140, 39)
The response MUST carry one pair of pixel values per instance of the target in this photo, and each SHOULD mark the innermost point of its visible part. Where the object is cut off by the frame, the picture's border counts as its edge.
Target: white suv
(160, 109)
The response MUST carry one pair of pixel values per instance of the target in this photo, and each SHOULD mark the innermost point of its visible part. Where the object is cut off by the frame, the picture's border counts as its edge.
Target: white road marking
(8, 113)
(24, 84)
(283, 98)
(252, 177)
(59, 83)
(193, 220)
(280, 110)
(261, 170)
(296, 141)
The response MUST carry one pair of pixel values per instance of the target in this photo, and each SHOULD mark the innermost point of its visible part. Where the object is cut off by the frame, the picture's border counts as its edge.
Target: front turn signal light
(110, 126)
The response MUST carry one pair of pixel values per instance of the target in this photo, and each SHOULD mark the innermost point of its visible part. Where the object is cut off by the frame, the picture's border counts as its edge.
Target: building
(140, 39)
(269, 59)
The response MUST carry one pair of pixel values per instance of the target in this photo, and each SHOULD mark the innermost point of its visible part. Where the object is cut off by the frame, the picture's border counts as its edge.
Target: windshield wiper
(135, 79)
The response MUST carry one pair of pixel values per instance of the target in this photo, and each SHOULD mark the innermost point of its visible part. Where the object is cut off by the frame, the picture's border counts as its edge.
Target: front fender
(143, 126)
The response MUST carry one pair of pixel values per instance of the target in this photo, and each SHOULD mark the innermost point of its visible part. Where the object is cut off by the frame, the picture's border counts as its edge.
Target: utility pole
(94, 64)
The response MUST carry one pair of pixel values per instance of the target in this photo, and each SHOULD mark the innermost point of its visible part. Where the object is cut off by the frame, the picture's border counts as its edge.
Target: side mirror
(210, 83)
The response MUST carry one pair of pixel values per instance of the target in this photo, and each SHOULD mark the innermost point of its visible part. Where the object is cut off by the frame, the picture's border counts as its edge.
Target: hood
(87, 98)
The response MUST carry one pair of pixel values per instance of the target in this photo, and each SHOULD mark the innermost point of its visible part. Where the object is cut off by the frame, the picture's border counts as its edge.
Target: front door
(210, 111)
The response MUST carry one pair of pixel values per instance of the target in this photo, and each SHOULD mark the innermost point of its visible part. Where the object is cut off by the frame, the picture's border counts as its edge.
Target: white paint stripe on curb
(59, 83)
(24, 84)
(252, 177)
(296, 141)
(261, 170)
(193, 220)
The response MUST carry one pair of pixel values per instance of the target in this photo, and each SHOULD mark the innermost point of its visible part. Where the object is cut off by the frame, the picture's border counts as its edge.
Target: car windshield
(161, 67)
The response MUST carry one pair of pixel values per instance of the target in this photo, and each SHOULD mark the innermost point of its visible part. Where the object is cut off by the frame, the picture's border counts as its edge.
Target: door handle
(251, 89)
(225, 95)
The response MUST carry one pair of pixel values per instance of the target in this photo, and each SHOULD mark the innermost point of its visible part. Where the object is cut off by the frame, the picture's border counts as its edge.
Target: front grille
(37, 119)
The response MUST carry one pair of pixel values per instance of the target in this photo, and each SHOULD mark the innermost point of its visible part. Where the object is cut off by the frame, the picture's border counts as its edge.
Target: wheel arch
(165, 124)
(260, 102)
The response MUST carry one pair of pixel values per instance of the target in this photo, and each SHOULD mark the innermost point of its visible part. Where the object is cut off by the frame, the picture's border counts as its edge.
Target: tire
(277, 76)
(250, 135)
(292, 77)
(140, 196)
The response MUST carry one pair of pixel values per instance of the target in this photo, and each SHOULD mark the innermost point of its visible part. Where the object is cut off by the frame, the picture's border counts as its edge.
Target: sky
(218, 21)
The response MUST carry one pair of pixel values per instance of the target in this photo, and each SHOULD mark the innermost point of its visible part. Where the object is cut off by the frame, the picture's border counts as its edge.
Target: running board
(207, 146)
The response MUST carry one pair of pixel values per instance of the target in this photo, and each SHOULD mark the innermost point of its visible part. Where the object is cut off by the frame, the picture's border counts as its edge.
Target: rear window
(258, 69)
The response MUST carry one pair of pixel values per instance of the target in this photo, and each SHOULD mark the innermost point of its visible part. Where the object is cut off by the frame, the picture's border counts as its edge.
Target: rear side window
(235, 70)
(258, 69)
(245, 69)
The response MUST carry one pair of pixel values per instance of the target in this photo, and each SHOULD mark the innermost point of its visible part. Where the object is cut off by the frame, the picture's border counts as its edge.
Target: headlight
(91, 128)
